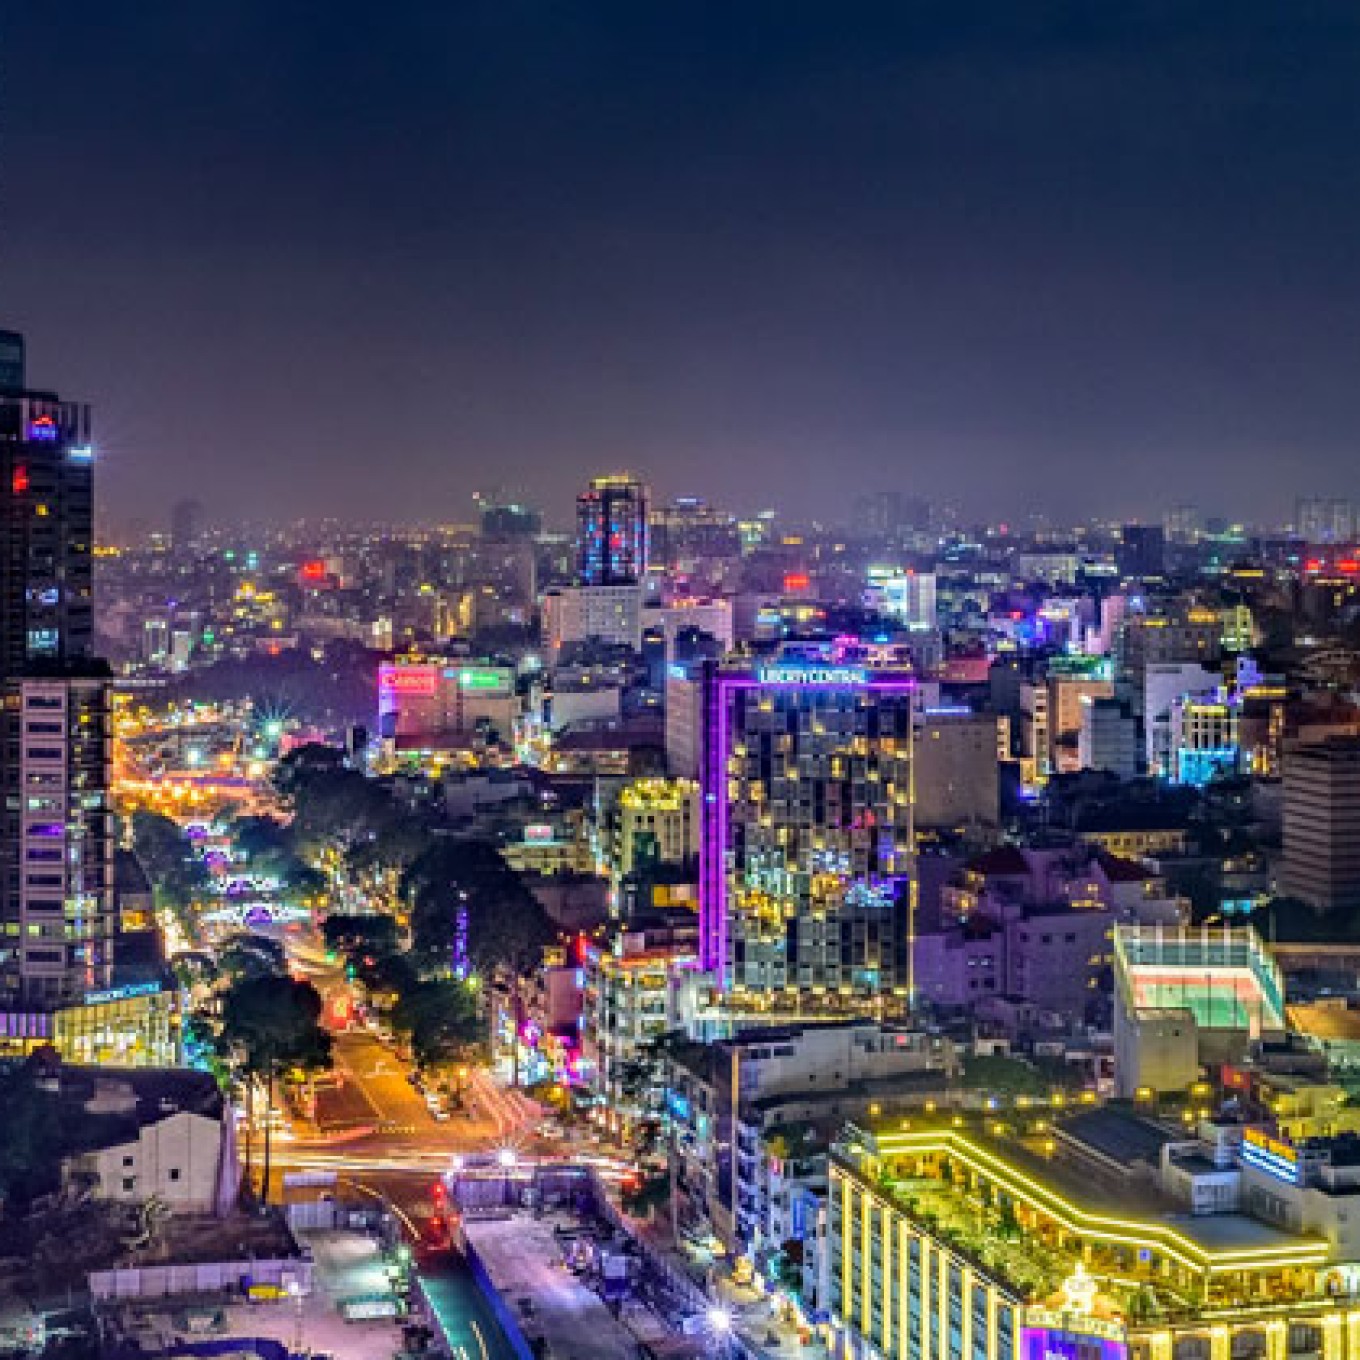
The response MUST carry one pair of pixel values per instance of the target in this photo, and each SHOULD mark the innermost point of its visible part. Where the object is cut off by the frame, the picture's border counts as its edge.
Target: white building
(162, 1134)
(579, 613)
(908, 596)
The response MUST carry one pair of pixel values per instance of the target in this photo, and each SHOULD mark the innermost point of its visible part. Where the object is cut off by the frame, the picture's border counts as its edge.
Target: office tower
(807, 853)
(1142, 551)
(957, 775)
(907, 596)
(1322, 823)
(611, 532)
(11, 361)
(505, 519)
(1108, 737)
(57, 912)
(1179, 637)
(690, 536)
(888, 514)
(1204, 737)
(1322, 520)
(611, 614)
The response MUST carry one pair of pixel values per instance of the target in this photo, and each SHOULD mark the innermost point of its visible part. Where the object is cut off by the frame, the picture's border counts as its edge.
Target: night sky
(365, 258)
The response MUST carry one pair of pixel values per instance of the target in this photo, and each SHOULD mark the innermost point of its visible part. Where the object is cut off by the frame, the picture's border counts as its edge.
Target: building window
(174, 1173)
(129, 1184)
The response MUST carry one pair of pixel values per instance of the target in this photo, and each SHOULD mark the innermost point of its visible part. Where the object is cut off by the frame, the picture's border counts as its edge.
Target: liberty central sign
(812, 675)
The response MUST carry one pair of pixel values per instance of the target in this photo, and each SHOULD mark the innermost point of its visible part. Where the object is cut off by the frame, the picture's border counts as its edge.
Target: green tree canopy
(443, 1020)
(246, 955)
(506, 926)
(271, 1024)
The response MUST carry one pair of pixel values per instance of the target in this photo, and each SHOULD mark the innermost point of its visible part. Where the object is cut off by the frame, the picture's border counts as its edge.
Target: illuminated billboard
(419, 681)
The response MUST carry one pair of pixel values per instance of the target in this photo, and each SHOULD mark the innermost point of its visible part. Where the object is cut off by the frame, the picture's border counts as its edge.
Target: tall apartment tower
(611, 532)
(56, 841)
(1322, 823)
(807, 857)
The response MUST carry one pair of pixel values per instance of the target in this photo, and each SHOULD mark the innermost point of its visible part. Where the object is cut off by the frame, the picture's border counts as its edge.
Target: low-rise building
(949, 1241)
(166, 1135)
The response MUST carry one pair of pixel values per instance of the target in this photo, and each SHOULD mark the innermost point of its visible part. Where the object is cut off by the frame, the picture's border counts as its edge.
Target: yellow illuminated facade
(945, 1243)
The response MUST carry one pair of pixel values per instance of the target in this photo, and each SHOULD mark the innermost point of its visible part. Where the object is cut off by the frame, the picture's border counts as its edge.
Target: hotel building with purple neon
(807, 884)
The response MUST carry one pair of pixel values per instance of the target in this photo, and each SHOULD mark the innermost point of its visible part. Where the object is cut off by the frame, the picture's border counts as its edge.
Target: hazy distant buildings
(1321, 520)
(1322, 823)
(186, 521)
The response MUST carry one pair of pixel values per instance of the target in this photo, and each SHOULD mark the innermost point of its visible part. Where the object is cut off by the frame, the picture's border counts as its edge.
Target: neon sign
(122, 993)
(42, 430)
(416, 680)
(480, 680)
(812, 675)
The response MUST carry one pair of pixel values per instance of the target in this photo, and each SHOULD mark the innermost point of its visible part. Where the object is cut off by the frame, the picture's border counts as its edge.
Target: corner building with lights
(807, 865)
(955, 1241)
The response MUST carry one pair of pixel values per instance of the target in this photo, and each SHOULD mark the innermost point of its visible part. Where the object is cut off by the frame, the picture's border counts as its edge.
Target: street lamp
(508, 1160)
(720, 1328)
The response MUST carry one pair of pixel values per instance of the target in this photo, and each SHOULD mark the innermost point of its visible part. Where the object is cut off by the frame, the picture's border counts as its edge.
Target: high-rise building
(57, 912)
(1204, 737)
(1142, 551)
(11, 361)
(611, 532)
(1322, 823)
(1108, 737)
(807, 853)
(584, 613)
(957, 775)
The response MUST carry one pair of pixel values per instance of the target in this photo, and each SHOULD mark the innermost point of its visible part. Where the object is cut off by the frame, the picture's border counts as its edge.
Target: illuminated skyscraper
(807, 856)
(56, 842)
(611, 532)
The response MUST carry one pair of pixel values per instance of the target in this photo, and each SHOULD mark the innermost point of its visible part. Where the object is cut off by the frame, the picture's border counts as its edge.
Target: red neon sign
(417, 680)
(19, 481)
(314, 570)
(796, 580)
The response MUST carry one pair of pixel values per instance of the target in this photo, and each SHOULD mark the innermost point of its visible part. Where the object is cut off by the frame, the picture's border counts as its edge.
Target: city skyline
(984, 257)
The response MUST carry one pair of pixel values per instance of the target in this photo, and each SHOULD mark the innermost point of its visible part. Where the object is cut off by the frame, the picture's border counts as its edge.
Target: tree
(175, 871)
(30, 1136)
(443, 1019)
(246, 955)
(352, 934)
(271, 1024)
(465, 891)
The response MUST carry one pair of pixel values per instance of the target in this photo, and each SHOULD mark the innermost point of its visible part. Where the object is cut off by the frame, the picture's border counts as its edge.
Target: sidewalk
(757, 1321)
